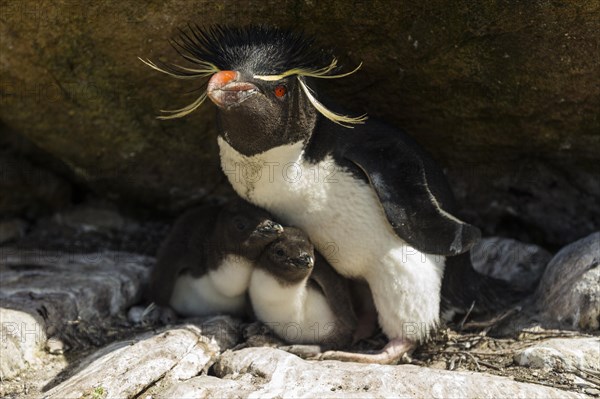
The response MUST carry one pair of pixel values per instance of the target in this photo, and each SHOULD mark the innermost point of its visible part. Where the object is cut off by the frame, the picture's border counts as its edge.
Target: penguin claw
(152, 315)
(396, 351)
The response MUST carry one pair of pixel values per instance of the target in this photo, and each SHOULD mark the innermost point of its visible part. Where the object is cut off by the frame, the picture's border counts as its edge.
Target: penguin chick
(204, 265)
(299, 296)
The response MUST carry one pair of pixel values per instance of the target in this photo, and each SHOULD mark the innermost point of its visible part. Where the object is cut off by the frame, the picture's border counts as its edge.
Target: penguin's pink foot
(392, 353)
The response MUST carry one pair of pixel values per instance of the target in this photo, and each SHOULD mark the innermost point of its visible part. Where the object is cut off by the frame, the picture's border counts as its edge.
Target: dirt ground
(478, 352)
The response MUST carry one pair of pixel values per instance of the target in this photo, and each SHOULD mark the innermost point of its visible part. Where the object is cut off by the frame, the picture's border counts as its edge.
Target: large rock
(274, 373)
(205, 387)
(11, 229)
(29, 190)
(175, 363)
(504, 94)
(520, 264)
(22, 338)
(67, 297)
(126, 369)
(562, 354)
(569, 292)
(151, 361)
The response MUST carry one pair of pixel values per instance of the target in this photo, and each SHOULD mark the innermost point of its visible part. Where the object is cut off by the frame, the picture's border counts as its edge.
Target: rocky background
(505, 95)
(69, 330)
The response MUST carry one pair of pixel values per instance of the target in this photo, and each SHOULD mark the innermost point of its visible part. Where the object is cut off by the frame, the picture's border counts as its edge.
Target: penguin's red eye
(280, 91)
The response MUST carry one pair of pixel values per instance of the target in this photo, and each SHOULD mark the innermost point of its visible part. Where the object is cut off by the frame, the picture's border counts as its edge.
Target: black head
(245, 230)
(257, 50)
(255, 114)
(259, 83)
(290, 258)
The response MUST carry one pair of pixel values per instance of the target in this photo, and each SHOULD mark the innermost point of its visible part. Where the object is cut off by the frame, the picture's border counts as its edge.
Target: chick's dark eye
(279, 252)
(280, 91)
(240, 224)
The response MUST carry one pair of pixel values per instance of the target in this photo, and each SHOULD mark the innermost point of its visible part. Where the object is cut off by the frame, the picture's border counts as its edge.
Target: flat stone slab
(21, 338)
(174, 363)
(63, 296)
(127, 368)
(275, 373)
(518, 263)
(570, 354)
(569, 292)
(206, 387)
(49, 300)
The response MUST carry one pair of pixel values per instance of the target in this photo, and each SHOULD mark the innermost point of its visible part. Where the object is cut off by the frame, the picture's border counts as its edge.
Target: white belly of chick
(220, 291)
(296, 313)
(347, 224)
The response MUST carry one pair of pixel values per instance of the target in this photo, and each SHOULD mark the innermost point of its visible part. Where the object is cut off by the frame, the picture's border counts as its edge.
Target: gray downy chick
(204, 266)
(299, 295)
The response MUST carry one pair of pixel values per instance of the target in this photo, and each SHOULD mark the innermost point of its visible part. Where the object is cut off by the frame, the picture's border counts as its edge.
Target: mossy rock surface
(506, 95)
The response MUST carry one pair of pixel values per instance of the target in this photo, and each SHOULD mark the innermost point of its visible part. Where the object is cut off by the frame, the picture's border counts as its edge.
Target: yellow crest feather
(208, 69)
(342, 120)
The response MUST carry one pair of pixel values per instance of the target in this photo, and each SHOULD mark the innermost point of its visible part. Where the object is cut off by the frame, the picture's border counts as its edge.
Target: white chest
(346, 222)
(296, 313)
(222, 290)
(341, 214)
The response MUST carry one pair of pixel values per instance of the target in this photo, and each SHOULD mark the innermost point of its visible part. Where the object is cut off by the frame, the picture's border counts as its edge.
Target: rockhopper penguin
(363, 186)
(299, 296)
(204, 265)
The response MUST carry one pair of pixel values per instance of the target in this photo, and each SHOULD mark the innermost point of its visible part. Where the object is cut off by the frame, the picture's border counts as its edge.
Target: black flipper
(412, 191)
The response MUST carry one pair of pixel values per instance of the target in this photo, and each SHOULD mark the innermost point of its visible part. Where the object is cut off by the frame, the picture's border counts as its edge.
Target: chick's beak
(226, 90)
(268, 228)
(304, 261)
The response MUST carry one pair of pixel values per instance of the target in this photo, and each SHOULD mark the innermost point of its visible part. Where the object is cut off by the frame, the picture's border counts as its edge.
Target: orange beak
(225, 90)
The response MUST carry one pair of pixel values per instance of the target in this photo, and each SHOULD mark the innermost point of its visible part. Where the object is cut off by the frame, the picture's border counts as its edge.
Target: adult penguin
(363, 188)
